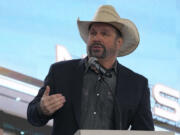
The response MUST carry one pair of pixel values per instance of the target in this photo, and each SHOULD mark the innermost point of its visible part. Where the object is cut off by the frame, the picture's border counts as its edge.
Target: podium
(121, 132)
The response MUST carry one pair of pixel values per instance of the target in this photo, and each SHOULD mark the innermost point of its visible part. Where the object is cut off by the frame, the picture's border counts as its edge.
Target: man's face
(102, 41)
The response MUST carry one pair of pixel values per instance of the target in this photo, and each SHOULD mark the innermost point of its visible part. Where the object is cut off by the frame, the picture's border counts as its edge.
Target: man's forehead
(101, 25)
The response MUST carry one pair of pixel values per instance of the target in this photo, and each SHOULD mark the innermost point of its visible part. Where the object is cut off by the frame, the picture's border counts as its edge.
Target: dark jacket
(132, 106)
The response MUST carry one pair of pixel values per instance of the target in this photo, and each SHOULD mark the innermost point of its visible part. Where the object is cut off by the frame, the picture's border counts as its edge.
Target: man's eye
(92, 33)
(104, 34)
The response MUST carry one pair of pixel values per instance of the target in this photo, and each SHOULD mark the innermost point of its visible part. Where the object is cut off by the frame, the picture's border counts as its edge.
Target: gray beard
(93, 53)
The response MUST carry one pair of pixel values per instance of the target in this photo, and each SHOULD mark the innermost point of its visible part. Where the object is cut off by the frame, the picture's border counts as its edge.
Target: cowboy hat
(107, 14)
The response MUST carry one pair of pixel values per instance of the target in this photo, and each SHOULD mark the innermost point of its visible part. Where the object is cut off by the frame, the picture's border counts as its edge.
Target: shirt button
(97, 94)
(94, 113)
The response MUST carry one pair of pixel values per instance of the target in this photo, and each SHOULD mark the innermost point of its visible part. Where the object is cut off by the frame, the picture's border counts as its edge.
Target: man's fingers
(57, 97)
(54, 99)
(53, 105)
(47, 91)
(51, 110)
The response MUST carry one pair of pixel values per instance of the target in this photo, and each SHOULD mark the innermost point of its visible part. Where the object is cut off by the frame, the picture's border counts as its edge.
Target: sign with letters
(168, 98)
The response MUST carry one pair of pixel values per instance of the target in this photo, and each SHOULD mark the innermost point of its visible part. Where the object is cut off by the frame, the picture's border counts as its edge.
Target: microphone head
(92, 60)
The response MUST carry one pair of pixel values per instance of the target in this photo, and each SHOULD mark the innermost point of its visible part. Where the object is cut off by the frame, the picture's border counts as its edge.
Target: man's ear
(119, 42)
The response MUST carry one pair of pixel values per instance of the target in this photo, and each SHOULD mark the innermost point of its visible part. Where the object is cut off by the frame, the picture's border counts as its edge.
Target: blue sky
(30, 30)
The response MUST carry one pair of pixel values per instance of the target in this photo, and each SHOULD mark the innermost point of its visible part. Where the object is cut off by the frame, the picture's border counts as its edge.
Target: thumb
(47, 91)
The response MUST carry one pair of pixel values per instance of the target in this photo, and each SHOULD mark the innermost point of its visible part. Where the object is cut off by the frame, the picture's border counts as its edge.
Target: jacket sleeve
(143, 116)
(34, 114)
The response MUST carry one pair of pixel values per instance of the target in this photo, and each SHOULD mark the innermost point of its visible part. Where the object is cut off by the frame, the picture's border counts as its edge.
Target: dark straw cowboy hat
(107, 14)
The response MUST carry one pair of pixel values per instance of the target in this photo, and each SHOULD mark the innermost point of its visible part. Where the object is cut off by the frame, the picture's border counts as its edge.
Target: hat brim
(126, 27)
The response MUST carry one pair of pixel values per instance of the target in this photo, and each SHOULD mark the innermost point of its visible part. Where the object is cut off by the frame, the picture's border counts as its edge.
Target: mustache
(97, 44)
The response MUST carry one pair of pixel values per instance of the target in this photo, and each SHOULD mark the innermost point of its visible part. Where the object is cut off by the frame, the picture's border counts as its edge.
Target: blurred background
(37, 33)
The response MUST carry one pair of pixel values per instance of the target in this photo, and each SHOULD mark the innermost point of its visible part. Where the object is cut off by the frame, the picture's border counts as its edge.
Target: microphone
(94, 62)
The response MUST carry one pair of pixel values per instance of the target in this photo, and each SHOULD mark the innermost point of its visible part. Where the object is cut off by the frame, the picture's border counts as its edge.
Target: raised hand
(51, 103)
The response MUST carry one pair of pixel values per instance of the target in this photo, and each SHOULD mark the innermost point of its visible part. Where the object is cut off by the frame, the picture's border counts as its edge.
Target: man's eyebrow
(105, 30)
(92, 29)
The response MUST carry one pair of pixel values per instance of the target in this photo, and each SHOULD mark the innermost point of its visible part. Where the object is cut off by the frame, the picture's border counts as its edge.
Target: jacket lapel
(77, 89)
(120, 86)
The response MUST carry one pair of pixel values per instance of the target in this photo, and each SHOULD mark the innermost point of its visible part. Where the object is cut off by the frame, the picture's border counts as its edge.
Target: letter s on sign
(158, 90)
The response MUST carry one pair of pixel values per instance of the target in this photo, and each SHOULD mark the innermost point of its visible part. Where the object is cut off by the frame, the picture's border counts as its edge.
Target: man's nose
(97, 37)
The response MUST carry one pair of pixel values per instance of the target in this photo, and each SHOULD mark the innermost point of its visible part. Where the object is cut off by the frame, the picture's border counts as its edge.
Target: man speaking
(96, 92)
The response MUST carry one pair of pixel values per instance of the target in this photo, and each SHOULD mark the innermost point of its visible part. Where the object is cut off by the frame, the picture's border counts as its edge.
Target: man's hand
(51, 103)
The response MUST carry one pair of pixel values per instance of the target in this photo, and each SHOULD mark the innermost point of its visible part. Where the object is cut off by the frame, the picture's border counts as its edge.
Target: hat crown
(106, 13)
